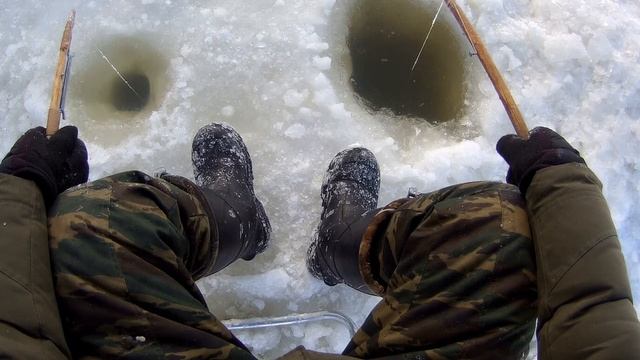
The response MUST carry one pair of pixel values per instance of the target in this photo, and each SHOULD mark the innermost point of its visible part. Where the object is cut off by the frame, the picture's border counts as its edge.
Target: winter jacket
(30, 326)
(585, 307)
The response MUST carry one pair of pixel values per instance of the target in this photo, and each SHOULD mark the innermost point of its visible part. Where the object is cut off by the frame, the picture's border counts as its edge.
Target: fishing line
(428, 34)
(120, 75)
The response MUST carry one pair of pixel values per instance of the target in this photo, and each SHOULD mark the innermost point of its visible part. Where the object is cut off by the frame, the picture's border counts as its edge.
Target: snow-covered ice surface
(268, 67)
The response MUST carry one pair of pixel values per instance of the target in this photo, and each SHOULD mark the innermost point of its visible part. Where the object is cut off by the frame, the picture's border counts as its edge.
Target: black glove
(54, 164)
(544, 148)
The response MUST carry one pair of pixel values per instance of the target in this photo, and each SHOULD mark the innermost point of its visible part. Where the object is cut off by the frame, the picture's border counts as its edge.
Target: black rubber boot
(222, 167)
(349, 198)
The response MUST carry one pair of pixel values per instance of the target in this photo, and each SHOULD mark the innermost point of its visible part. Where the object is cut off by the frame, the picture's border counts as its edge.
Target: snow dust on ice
(278, 71)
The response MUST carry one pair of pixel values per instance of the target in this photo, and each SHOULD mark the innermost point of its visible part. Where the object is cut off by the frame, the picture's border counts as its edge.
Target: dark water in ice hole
(124, 99)
(384, 40)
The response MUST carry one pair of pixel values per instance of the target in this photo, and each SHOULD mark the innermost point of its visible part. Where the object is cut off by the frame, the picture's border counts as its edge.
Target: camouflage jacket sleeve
(30, 326)
(585, 305)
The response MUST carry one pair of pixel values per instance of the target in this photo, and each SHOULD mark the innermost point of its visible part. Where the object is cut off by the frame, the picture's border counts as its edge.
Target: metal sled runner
(289, 320)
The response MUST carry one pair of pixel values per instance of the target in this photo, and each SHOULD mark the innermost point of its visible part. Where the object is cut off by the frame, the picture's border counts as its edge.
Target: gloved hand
(544, 148)
(54, 164)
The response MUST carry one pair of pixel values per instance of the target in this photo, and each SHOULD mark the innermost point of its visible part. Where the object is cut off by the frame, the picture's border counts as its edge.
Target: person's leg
(455, 269)
(126, 251)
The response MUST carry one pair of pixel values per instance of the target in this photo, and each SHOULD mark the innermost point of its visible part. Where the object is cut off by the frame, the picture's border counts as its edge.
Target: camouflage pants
(125, 253)
(457, 274)
(455, 270)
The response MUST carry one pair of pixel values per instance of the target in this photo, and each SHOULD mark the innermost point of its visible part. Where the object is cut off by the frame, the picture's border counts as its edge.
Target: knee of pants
(456, 270)
(132, 213)
(461, 231)
(122, 209)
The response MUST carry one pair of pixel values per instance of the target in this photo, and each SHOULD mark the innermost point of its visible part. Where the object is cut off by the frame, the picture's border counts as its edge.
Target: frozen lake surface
(276, 71)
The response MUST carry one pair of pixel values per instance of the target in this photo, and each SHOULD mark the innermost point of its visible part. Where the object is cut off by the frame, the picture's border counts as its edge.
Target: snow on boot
(349, 196)
(222, 167)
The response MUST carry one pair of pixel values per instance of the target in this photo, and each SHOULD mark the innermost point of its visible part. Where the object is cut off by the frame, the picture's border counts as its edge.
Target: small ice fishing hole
(384, 38)
(99, 95)
(123, 77)
(133, 96)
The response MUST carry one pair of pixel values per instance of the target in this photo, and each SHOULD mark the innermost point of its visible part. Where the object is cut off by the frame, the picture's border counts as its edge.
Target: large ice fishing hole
(383, 40)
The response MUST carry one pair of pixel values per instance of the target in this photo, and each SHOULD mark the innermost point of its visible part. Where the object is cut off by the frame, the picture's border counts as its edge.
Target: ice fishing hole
(384, 39)
(132, 95)
(100, 95)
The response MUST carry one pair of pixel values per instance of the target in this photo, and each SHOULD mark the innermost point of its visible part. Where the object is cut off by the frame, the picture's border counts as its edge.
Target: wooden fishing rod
(60, 81)
(492, 70)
